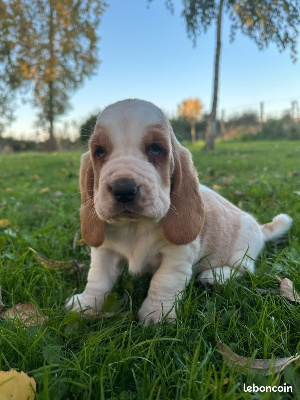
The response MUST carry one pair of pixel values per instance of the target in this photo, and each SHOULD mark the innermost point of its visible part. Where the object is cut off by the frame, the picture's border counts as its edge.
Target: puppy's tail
(277, 228)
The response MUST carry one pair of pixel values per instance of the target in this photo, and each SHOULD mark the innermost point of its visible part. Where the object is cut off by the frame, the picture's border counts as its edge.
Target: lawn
(117, 358)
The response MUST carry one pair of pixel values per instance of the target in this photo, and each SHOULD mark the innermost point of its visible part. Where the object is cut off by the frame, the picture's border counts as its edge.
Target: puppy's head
(137, 169)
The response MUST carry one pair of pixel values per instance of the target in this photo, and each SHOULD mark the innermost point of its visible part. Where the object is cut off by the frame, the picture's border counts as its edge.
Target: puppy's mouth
(128, 214)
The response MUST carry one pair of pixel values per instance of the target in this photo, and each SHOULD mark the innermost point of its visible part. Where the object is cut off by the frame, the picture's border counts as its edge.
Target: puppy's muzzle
(124, 190)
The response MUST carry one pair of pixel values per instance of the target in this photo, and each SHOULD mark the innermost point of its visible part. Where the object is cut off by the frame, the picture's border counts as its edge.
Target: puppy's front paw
(84, 303)
(154, 311)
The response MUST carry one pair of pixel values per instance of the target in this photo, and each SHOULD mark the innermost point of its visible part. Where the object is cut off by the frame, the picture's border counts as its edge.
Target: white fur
(228, 243)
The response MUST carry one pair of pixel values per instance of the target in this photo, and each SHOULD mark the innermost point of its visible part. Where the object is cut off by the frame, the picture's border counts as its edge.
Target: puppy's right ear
(92, 227)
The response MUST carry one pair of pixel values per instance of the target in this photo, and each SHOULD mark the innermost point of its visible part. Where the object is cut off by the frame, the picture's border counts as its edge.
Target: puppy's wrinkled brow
(101, 138)
(158, 134)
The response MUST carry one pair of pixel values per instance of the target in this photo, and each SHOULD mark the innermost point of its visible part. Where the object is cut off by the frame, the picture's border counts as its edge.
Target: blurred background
(220, 70)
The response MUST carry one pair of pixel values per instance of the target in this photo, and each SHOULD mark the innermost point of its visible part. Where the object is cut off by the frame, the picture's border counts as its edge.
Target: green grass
(116, 358)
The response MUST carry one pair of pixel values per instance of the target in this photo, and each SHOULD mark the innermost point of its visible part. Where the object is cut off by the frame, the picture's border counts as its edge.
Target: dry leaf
(9, 190)
(58, 265)
(3, 203)
(35, 176)
(27, 313)
(44, 190)
(216, 187)
(287, 289)
(263, 366)
(16, 385)
(4, 223)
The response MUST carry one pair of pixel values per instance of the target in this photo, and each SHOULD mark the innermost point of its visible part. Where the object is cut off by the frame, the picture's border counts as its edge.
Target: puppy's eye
(100, 152)
(154, 150)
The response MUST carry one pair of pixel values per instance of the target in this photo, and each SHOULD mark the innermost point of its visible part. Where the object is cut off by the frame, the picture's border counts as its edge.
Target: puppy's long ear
(184, 220)
(92, 227)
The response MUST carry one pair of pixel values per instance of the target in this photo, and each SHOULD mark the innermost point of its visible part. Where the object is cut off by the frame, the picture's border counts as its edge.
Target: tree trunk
(51, 144)
(193, 131)
(211, 131)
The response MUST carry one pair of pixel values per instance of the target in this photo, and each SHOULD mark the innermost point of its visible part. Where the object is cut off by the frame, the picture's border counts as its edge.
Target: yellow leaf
(217, 187)
(16, 385)
(44, 190)
(4, 224)
(35, 176)
(9, 190)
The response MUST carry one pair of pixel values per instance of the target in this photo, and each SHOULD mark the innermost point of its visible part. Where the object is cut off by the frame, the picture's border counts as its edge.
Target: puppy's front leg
(106, 266)
(171, 278)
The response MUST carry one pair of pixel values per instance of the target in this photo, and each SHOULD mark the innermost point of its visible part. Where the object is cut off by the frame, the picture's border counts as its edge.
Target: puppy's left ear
(185, 217)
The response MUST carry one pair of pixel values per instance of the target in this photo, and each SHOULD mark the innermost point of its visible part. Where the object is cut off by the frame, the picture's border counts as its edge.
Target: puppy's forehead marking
(129, 119)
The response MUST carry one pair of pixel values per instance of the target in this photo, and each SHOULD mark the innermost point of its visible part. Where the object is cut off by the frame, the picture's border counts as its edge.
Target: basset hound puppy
(142, 205)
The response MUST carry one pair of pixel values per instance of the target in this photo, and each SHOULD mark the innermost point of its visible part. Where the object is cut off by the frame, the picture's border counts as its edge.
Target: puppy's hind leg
(246, 249)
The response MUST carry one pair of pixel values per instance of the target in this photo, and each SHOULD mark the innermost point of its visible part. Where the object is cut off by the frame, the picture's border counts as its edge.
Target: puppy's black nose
(124, 190)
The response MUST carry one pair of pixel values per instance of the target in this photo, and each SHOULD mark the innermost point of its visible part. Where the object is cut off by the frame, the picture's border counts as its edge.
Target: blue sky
(145, 53)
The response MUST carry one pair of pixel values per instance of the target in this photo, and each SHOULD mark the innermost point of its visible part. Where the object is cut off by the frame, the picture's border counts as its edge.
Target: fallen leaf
(16, 385)
(4, 223)
(58, 265)
(287, 289)
(263, 366)
(27, 313)
(3, 203)
(44, 190)
(216, 187)
(9, 190)
(35, 176)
